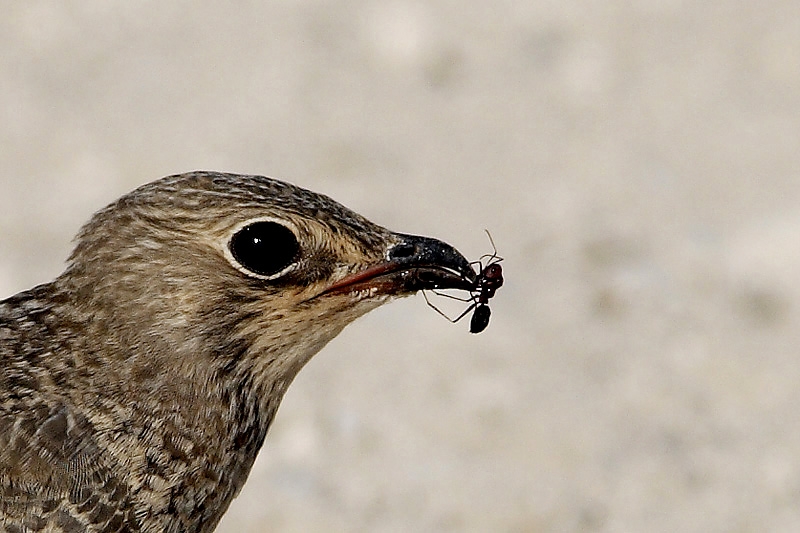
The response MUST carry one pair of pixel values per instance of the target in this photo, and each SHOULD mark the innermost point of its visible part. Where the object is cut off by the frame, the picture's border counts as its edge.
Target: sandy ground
(638, 165)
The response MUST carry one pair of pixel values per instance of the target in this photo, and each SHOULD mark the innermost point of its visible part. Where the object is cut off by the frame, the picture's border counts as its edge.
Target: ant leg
(470, 308)
(477, 266)
(424, 295)
(437, 293)
(467, 310)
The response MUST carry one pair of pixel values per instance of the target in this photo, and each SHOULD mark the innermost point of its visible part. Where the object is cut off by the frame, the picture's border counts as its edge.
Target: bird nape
(138, 386)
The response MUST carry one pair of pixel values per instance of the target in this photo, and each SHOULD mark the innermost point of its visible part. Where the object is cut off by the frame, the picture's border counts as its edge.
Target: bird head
(245, 276)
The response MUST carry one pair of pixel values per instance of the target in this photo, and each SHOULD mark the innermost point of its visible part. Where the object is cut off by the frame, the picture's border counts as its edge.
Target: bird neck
(182, 408)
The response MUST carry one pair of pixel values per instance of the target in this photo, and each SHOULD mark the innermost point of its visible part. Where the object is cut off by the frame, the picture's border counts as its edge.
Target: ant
(490, 278)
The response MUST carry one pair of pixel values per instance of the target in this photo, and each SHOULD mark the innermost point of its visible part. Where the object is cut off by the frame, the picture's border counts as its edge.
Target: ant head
(493, 271)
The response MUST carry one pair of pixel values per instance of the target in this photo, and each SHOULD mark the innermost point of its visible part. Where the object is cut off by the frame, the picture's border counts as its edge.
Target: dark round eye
(493, 271)
(265, 248)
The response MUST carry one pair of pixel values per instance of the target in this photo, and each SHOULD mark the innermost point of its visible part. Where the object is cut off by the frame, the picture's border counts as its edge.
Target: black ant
(490, 278)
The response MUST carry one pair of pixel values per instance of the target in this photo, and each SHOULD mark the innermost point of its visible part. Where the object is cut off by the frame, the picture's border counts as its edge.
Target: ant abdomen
(480, 319)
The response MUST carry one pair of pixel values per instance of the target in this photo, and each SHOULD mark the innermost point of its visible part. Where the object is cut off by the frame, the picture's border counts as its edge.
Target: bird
(138, 386)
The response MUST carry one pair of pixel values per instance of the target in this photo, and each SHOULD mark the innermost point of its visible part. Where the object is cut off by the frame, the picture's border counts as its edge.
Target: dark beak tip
(434, 264)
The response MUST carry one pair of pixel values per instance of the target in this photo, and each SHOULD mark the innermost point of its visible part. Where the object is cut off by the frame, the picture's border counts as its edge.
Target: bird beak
(412, 264)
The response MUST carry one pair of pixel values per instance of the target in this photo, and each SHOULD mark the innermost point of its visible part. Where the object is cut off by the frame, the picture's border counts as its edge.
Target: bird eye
(265, 248)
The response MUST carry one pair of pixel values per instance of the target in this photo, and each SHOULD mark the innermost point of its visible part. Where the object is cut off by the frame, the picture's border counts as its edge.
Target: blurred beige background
(638, 165)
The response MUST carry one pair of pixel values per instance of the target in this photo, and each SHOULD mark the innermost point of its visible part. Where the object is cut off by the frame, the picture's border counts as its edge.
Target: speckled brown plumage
(137, 388)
